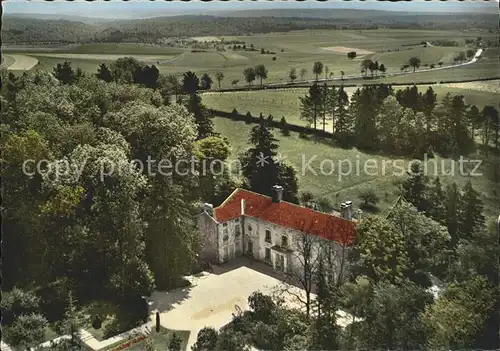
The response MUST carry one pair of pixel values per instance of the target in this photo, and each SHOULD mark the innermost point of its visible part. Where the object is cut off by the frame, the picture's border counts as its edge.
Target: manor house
(272, 230)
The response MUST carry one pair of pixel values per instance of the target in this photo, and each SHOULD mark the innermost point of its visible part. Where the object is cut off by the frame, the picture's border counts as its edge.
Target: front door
(226, 254)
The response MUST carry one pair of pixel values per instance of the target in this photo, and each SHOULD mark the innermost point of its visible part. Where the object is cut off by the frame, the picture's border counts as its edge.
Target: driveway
(212, 298)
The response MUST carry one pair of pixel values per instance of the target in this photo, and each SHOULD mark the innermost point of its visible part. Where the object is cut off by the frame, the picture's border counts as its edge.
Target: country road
(473, 60)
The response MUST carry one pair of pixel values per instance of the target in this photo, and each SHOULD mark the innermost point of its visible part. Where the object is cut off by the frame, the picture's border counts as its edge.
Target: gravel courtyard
(214, 297)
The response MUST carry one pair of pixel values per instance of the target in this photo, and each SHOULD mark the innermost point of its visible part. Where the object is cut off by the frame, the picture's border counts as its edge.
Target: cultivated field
(16, 62)
(295, 49)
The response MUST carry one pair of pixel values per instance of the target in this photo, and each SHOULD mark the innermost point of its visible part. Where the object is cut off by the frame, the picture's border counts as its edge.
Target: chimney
(359, 214)
(242, 207)
(277, 192)
(342, 210)
(348, 210)
(208, 208)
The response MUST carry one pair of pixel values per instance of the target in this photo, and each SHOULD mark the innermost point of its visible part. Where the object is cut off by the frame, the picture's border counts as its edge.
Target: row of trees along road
(406, 122)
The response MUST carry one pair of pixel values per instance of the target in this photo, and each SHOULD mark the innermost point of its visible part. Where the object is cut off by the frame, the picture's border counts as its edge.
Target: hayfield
(339, 174)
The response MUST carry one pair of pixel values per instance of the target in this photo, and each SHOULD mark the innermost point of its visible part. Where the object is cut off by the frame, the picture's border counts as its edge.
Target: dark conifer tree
(65, 73)
(414, 188)
(104, 73)
(470, 219)
(453, 199)
(262, 170)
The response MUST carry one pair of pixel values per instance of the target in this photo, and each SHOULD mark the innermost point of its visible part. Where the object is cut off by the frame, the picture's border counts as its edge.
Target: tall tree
(317, 69)
(220, 77)
(392, 319)
(303, 72)
(344, 125)
(364, 108)
(453, 199)
(190, 83)
(414, 188)
(249, 74)
(414, 62)
(325, 335)
(65, 73)
(379, 251)
(311, 104)
(471, 217)
(261, 72)
(365, 65)
(262, 170)
(293, 74)
(206, 82)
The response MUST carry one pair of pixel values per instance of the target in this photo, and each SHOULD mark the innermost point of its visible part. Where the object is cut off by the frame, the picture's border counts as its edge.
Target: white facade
(280, 247)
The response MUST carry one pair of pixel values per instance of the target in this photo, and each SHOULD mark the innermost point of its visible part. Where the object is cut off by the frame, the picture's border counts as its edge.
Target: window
(237, 230)
(225, 237)
(268, 254)
(224, 224)
(284, 241)
(237, 220)
(268, 236)
(249, 228)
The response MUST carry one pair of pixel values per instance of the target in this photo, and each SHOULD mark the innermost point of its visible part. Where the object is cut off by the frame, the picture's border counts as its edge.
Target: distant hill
(75, 29)
(309, 13)
(54, 17)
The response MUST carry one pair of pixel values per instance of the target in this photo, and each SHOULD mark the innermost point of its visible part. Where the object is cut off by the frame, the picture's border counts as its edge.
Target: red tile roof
(287, 215)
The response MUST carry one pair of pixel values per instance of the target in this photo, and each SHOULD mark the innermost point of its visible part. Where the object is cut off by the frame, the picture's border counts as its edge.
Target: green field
(338, 187)
(295, 49)
(286, 103)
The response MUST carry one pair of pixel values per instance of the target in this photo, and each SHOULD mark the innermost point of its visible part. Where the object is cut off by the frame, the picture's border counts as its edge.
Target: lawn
(339, 184)
(162, 339)
(115, 320)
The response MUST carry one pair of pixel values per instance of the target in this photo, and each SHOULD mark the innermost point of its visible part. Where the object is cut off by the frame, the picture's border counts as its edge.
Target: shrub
(303, 135)
(175, 343)
(369, 198)
(97, 322)
(274, 58)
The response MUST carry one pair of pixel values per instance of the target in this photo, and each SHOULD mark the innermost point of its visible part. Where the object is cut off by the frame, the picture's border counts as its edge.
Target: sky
(145, 8)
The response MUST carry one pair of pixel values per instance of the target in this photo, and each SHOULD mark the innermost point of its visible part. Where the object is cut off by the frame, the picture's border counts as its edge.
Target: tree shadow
(163, 301)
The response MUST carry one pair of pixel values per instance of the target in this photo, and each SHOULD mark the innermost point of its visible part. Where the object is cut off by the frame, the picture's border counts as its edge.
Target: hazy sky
(136, 8)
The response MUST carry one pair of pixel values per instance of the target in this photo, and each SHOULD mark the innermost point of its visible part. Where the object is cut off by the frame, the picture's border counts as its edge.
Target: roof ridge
(287, 202)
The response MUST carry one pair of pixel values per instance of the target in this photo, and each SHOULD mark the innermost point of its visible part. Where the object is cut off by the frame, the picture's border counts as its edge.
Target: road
(473, 60)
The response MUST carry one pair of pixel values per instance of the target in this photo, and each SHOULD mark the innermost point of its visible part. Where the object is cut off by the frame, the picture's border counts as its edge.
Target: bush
(175, 343)
(97, 322)
(274, 58)
(369, 198)
(303, 135)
